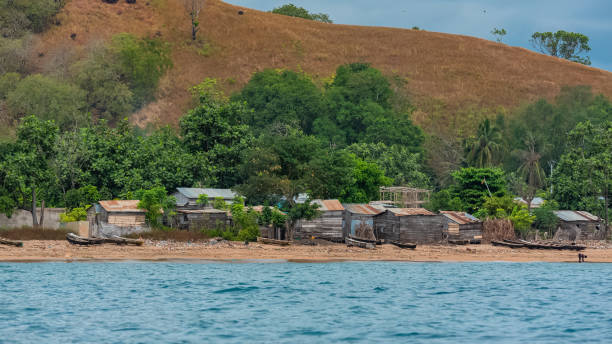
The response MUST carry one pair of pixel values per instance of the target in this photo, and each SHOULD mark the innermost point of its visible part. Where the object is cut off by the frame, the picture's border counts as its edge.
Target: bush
(142, 62)
(545, 217)
(74, 215)
(29, 233)
(300, 12)
(7, 83)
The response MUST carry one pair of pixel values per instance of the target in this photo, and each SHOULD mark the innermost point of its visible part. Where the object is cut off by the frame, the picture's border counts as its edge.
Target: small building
(415, 225)
(198, 219)
(186, 198)
(327, 226)
(359, 218)
(108, 218)
(462, 226)
(579, 225)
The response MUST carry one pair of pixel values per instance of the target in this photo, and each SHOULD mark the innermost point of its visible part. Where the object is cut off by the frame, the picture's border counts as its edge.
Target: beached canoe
(273, 241)
(506, 244)
(77, 240)
(547, 246)
(123, 241)
(358, 243)
(375, 242)
(11, 242)
(404, 244)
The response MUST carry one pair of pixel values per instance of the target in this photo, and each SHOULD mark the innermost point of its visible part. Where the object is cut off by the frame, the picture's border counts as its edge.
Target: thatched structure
(497, 229)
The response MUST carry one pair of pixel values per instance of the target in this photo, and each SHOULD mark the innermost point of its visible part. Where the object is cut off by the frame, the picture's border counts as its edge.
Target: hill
(455, 70)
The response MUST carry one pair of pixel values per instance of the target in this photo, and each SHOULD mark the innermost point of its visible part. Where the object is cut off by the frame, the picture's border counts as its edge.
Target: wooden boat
(11, 242)
(545, 246)
(358, 243)
(506, 244)
(77, 240)
(273, 241)
(375, 242)
(123, 241)
(458, 241)
(404, 244)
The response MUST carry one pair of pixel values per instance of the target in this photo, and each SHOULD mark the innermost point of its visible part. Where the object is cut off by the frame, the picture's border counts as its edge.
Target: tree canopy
(300, 12)
(563, 44)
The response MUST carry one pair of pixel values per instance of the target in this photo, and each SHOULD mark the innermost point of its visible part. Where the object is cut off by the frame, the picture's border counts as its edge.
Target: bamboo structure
(404, 197)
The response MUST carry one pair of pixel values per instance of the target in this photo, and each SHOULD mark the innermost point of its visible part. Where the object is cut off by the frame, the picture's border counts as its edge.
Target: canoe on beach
(358, 243)
(77, 240)
(273, 241)
(404, 244)
(11, 242)
(537, 246)
(123, 241)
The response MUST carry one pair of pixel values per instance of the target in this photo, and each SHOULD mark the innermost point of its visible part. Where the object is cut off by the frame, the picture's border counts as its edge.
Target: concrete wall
(23, 218)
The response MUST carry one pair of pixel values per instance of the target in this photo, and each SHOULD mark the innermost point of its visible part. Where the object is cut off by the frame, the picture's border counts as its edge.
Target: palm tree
(482, 150)
(530, 169)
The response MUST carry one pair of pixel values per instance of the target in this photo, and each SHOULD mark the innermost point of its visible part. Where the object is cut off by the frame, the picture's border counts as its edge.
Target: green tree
(499, 34)
(155, 202)
(563, 44)
(202, 200)
(545, 217)
(473, 185)
(300, 12)
(142, 63)
(584, 173)
(530, 169)
(48, 99)
(482, 150)
(444, 200)
(282, 96)
(368, 177)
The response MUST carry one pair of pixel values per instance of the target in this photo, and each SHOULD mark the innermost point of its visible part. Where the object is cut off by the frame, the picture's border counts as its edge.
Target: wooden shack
(579, 225)
(359, 217)
(108, 218)
(198, 219)
(462, 226)
(327, 226)
(415, 225)
(186, 198)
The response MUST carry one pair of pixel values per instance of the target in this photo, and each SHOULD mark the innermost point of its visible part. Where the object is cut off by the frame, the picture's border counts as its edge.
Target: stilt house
(327, 226)
(415, 225)
(108, 218)
(579, 225)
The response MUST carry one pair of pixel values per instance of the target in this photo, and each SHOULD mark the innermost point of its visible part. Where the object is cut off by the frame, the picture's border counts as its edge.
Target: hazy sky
(477, 18)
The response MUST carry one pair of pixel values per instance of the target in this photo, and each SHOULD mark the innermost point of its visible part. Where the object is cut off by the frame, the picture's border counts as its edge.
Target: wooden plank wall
(328, 225)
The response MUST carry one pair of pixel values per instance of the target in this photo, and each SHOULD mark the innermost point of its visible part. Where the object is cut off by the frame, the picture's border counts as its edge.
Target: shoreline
(233, 252)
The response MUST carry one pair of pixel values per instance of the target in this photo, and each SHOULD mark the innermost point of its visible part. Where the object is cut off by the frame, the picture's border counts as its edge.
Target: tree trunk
(34, 217)
(42, 213)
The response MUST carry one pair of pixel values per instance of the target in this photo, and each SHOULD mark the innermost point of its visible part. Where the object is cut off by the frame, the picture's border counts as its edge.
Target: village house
(579, 225)
(186, 198)
(108, 218)
(198, 219)
(327, 226)
(463, 226)
(414, 225)
(359, 219)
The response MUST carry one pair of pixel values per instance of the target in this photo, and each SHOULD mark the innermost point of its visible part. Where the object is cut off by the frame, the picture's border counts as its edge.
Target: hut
(327, 226)
(359, 217)
(579, 225)
(462, 226)
(108, 218)
(186, 198)
(416, 225)
(197, 219)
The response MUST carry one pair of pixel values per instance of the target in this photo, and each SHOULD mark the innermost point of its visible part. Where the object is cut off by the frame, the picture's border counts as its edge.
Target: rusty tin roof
(572, 215)
(410, 211)
(329, 204)
(459, 217)
(364, 209)
(130, 206)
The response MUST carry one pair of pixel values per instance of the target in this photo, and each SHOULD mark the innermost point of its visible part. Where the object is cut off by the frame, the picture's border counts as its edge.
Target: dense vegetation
(300, 12)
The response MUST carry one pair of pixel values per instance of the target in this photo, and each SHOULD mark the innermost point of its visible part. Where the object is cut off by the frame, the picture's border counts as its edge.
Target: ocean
(276, 302)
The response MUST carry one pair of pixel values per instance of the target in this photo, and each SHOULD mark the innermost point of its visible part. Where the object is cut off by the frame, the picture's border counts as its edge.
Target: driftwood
(11, 242)
(273, 241)
(358, 243)
(404, 244)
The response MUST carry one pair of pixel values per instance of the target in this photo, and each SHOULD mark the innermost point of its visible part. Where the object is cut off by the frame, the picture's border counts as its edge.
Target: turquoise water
(203, 302)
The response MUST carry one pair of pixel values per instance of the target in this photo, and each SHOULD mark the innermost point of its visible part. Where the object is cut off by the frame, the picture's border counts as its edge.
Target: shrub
(300, 12)
(74, 215)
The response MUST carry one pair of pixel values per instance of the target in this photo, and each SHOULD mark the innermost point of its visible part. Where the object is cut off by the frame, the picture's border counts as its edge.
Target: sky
(520, 18)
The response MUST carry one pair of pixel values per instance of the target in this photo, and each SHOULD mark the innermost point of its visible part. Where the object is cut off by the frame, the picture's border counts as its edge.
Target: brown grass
(497, 230)
(29, 233)
(459, 71)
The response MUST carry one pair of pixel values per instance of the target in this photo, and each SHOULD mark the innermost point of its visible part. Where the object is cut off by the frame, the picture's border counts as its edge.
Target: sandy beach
(35, 251)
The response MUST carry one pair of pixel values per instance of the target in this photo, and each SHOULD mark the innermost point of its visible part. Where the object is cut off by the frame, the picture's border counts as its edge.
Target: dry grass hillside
(457, 70)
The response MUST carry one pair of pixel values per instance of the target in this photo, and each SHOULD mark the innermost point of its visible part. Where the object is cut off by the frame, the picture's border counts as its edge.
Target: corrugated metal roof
(459, 217)
(130, 206)
(211, 193)
(410, 211)
(202, 211)
(571, 215)
(364, 209)
(329, 204)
